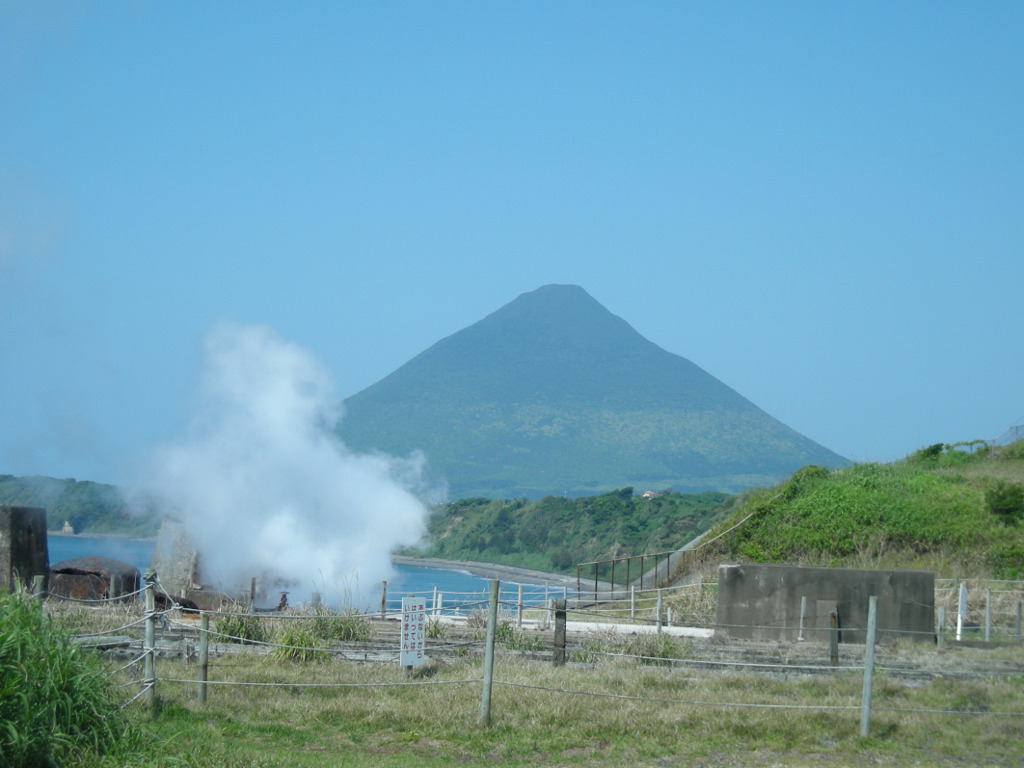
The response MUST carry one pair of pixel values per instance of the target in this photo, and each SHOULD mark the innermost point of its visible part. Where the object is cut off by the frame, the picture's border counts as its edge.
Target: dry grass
(611, 713)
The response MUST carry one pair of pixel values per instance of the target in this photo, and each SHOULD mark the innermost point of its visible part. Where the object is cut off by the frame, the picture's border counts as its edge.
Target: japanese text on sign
(414, 632)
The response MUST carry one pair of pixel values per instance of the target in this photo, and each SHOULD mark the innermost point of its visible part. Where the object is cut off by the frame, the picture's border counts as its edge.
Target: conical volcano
(553, 394)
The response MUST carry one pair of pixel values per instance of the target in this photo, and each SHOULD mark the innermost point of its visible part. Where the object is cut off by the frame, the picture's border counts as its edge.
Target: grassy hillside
(89, 507)
(556, 533)
(943, 509)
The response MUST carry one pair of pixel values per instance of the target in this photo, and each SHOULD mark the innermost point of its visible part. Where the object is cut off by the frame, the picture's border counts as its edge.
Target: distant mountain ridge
(553, 394)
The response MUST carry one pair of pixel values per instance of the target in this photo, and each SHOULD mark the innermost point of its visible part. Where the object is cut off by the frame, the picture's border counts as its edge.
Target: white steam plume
(263, 484)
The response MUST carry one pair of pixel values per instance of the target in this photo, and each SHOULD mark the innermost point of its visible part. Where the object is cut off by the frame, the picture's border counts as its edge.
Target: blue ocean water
(455, 586)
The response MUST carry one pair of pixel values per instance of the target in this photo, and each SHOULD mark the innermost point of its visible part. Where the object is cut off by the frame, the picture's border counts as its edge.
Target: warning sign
(414, 632)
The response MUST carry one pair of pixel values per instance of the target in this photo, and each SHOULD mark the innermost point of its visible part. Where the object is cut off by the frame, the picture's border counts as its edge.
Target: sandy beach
(492, 571)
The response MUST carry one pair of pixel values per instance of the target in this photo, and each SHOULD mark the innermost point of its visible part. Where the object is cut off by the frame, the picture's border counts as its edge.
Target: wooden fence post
(988, 615)
(559, 651)
(869, 667)
(204, 657)
(833, 638)
(492, 621)
(149, 648)
(383, 600)
(940, 636)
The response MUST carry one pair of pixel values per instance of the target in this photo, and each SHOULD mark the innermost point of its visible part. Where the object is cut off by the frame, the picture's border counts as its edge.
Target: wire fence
(669, 627)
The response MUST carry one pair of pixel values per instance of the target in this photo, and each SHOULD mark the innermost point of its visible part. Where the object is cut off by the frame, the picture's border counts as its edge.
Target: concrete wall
(23, 547)
(762, 602)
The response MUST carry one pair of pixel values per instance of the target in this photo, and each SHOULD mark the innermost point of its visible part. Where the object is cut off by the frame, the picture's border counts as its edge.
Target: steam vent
(175, 560)
(182, 577)
(23, 549)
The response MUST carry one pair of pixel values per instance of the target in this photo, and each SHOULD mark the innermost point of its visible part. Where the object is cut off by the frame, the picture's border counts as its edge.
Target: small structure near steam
(183, 578)
(94, 578)
(24, 553)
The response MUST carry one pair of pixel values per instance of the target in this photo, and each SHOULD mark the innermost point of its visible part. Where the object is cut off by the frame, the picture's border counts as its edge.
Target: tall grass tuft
(241, 628)
(57, 706)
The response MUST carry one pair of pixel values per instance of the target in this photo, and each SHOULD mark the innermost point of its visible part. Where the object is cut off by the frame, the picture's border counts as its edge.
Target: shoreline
(507, 573)
(109, 536)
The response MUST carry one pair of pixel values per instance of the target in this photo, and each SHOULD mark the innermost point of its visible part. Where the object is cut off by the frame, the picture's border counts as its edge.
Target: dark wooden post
(559, 654)
(204, 657)
(833, 638)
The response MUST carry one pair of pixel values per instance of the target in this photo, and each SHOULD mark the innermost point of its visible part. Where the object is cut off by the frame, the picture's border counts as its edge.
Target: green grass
(58, 705)
(941, 509)
(541, 715)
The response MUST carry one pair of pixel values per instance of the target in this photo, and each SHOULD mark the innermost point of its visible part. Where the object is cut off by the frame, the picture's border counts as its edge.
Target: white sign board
(414, 632)
(961, 612)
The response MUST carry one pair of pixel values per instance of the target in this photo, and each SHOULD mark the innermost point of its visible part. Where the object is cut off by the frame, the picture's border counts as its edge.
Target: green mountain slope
(89, 507)
(552, 394)
(941, 509)
(556, 533)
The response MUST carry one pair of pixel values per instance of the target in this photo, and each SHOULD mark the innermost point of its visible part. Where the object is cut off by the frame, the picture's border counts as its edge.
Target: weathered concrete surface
(762, 602)
(24, 553)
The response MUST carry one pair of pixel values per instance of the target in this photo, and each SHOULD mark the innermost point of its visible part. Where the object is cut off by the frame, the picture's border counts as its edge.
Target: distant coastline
(108, 536)
(491, 571)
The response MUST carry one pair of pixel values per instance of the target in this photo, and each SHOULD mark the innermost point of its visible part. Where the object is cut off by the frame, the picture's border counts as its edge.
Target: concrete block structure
(763, 602)
(24, 552)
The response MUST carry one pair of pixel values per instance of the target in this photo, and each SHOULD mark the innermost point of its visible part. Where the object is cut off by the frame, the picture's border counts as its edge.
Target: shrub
(1006, 561)
(649, 649)
(347, 627)
(56, 703)
(436, 629)
(1005, 500)
(516, 640)
(927, 457)
(241, 628)
(297, 643)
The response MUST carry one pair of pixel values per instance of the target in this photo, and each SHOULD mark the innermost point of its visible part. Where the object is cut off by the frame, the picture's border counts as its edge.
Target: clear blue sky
(821, 204)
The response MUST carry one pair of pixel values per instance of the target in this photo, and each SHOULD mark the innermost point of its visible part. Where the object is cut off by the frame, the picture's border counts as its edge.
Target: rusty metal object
(94, 578)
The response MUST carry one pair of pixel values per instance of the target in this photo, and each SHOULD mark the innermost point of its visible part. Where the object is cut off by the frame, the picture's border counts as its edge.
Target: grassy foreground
(624, 713)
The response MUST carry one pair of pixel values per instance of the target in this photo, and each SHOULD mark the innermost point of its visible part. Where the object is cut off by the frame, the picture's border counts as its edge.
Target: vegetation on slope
(57, 705)
(944, 508)
(88, 506)
(556, 533)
